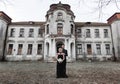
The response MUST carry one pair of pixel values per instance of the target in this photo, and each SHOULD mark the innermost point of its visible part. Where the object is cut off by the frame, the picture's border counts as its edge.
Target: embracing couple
(61, 62)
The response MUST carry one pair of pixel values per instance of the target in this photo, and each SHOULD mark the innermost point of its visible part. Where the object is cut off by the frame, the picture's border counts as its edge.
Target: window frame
(31, 33)
(12, 32)
(98, 49)
(29, 49)
(59, 15)
(106, 33)
(39, 49)
(10, 50)
(59, 28)
(79, 48)
(107, 48)
(88, 33)
(97, 33)
(19, 52)
(21, 33)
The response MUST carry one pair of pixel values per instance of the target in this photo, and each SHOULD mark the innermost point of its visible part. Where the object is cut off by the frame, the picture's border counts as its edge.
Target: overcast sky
(35, 10)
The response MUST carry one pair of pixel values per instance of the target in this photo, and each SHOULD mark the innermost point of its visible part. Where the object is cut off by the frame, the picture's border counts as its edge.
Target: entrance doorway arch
(58, 45)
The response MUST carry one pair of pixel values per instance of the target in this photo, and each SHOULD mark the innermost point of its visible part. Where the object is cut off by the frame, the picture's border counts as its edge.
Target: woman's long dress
(60, 68)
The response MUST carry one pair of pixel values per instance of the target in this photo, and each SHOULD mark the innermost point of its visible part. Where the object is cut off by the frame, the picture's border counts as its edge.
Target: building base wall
(27, 58)
(53, 59)
(95, 58)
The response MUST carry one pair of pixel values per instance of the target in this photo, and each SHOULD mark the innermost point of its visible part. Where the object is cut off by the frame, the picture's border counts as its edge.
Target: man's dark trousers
(66, 54)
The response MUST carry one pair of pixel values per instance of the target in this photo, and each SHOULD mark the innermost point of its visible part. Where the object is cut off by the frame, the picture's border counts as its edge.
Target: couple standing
(61, 62)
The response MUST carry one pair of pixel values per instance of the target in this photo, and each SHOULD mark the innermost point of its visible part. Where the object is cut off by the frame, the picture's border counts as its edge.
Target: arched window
(60, 28)
(71, 28)
(60, 16)
(47, 29)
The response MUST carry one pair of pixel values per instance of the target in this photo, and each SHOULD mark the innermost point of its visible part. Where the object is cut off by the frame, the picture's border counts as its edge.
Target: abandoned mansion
(40, 40)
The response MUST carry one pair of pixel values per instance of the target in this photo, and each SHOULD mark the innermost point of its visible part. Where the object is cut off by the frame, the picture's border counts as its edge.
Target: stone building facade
(40, 40)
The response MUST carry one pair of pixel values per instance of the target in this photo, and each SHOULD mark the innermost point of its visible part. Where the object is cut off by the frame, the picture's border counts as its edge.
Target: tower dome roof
(61, 6)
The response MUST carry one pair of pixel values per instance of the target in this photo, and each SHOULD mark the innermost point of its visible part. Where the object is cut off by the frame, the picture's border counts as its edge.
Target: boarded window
(20, 46)
(29, 52)
(10, 49)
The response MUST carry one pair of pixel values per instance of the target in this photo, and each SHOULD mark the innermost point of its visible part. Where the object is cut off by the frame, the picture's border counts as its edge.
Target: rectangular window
(12, 32)
(107, 46)
(40, 34)
(59, 31)
(97, 35)
(21, 32)
(10, 49)
(39, 50)
(72, 30)
(60, 16)
(89, 49)
(98, 48)
(29, 52)
(20, 46)
(59, 28)
(79, 33)
(31, 33)
(47, 30)
(79, 48)
(88, 33)
(105, 33)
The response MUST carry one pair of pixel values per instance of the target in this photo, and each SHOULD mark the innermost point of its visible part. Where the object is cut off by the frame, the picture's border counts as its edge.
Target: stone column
(93, 50)
(25, 48)
(69, 50)
(54, 48)
(74, 51)
(45, 50)
(15, 47)
(34, 53)
(66, 44)
(50, 47)
(84, 50)
(103, 50)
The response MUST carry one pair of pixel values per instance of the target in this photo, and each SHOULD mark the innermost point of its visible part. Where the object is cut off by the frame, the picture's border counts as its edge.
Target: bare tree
(99, 6)
(104, 3)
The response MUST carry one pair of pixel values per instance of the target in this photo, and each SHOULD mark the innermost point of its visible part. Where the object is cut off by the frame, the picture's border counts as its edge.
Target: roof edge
(113, 17)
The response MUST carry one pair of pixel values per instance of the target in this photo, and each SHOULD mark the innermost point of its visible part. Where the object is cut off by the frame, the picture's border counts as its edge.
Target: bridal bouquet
(60, 60)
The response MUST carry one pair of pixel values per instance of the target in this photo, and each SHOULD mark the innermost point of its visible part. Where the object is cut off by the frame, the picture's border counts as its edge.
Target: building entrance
(58, 45)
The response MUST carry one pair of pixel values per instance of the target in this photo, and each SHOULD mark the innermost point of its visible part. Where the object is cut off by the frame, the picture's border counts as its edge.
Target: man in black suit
(66, 54)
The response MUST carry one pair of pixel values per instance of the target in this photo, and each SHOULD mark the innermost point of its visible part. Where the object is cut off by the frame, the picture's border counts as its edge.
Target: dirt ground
(45, 73)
